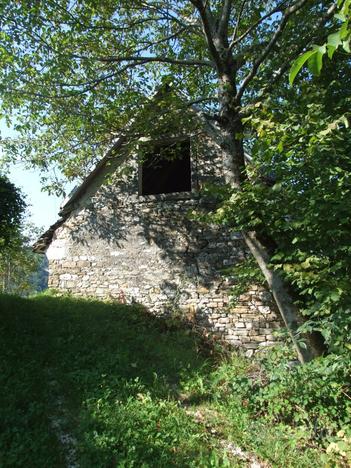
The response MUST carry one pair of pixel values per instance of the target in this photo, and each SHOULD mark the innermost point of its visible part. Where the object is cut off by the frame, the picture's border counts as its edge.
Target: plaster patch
(56, 251)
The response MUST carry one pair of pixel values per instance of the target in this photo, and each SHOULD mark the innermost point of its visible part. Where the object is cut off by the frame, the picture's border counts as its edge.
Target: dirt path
(59, 420)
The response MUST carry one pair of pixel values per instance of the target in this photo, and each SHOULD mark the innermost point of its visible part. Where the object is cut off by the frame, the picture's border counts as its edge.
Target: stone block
(239, 325)
(234, 342)
(258, 338)
(250, 345)
(68, 264)
(241, 332)
(67, 276)
(224, 320)
(264, 344)
(83, 263)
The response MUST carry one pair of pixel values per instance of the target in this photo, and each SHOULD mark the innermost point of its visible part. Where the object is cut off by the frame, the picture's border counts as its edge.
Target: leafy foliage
(341, 37)
(315, 395)
(340, 447)
(17, 261)
(12, 206)
(75, 75)
(20, 269)
(303, 150)
(311, 402)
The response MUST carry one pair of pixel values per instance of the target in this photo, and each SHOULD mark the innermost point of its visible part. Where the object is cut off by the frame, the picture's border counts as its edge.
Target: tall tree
(12, 206)
(303, 150)
(76, 72)
(21, 270)
(17, 262)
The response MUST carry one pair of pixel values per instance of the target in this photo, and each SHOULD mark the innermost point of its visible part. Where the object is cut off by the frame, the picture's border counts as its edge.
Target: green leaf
(335, 296)
(346, 46)
(331, 50)
(315, 61)
(340, 16)
(299, 63)
(277, 187)
(334, 40)
(345, 121)
(344, 30)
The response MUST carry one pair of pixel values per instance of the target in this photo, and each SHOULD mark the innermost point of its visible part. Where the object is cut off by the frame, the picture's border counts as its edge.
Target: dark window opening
(166, 169)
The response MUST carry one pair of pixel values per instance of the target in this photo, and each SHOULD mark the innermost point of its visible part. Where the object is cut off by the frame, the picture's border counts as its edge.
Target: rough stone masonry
(113, 242)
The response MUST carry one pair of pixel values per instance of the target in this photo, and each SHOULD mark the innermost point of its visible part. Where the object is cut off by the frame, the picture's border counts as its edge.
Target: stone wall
(146, 249)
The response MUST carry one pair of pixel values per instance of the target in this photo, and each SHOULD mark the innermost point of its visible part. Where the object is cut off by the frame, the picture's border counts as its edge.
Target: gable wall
(145, 249)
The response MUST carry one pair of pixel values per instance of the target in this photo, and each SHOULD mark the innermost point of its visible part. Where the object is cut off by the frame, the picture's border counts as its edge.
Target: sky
(43, 208)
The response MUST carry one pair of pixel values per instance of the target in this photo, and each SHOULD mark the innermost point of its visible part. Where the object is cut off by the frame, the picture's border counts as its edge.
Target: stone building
(126, 234)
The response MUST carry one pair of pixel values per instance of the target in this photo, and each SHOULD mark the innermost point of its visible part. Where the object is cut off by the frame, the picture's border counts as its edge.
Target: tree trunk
(231, 142)
(234, 169)
(288, 310)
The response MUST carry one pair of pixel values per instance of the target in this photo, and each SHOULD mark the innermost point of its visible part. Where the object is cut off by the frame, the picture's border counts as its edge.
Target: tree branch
(224, 19)
(235, 40)
(160, 41)
(141, 59)
(209, 30)
(128, 27)
(87, 86)
(283, 68)
(298, 50)
(171, 15)
(289, 12)
(232, 42)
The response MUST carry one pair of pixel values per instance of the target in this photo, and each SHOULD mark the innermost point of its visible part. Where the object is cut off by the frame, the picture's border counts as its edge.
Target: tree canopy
(21, 270)
(336, 40)
(74, 73)
(12, 206)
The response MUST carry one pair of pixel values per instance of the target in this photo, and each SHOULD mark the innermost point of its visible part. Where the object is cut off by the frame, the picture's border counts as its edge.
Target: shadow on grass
(117, 370)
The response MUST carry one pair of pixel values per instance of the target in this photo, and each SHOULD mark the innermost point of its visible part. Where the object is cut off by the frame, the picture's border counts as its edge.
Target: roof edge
(42, 244)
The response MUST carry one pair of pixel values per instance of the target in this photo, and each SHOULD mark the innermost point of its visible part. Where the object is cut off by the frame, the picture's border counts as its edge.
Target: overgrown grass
(132, 391)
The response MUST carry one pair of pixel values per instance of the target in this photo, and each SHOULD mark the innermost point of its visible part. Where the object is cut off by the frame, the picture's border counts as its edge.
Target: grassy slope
(132, 391)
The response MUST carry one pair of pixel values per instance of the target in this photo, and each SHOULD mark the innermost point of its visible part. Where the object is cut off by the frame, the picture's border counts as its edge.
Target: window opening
(167, 169)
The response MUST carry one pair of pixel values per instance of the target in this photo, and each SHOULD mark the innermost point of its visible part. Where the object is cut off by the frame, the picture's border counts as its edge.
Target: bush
(316, 394)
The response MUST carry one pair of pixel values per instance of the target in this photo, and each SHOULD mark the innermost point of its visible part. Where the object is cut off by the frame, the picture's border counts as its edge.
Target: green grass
(131, 390)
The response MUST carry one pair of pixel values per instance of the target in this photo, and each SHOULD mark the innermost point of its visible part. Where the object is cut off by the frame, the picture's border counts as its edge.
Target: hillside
(92, 384)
